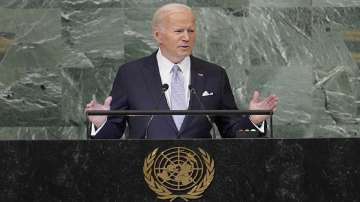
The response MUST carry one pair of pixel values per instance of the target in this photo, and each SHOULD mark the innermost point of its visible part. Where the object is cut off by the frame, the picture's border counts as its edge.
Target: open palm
(93, 105)
(269, 103)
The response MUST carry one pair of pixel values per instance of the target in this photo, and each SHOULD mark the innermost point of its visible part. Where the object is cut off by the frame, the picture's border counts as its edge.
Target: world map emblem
(178, 172)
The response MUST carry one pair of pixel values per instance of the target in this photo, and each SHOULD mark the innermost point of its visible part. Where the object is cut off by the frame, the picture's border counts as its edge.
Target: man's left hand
(269, 103)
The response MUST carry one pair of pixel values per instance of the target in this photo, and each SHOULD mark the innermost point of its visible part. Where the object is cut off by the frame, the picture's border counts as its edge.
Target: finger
(275, 97)
(94, 97)
(91, 104)
(269, 105)
(273, 105)
(268, 99)
(271, 99)
(275, 100)
(255, 96)
(108, 101)
(87, 109)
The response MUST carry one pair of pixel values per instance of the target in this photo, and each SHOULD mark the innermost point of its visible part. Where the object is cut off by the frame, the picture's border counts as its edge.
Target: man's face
(176, 35)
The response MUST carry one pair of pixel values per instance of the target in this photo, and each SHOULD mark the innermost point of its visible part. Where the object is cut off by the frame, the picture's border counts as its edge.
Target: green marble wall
(55, 55)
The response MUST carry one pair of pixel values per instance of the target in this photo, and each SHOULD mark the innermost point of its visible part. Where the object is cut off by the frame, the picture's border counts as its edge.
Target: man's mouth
(184, 46)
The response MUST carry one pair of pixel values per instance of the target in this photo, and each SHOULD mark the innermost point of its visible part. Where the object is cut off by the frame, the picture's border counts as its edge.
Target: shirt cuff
(260, 128)
(95, 131)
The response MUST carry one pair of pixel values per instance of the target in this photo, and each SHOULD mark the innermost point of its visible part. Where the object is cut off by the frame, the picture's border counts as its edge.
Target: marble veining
(55, 56)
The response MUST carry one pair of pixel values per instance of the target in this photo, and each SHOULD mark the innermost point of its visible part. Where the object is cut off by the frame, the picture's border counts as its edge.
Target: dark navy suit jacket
(137, 86)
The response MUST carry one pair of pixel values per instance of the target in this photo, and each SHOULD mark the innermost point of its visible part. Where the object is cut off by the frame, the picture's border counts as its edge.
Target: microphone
(193, 91)
(164, 88)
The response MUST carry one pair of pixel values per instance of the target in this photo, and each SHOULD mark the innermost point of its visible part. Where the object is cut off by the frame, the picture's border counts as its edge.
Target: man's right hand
(93, 105)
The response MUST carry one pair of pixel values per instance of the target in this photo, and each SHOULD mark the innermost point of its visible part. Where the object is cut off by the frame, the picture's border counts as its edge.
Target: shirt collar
(184, 64)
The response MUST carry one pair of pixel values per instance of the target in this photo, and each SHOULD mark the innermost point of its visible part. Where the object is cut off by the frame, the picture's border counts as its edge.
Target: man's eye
(190, 30)
(179, 31)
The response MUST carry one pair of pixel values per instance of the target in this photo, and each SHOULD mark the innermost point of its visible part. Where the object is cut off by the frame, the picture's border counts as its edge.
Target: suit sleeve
(230, 125)
(115, 125)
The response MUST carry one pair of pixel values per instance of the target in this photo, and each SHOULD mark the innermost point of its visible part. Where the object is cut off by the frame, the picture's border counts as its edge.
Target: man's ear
(156, 35)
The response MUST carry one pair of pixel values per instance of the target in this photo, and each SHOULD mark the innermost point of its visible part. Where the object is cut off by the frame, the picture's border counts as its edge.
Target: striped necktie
(178, 99)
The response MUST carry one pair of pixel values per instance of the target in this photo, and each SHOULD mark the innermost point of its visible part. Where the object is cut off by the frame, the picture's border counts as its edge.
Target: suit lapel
(152, 79)
(197, 81)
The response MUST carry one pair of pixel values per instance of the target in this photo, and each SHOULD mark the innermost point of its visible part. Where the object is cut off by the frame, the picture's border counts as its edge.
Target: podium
(259, 169)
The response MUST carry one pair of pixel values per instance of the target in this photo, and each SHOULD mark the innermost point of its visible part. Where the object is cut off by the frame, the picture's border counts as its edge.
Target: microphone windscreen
(164, 87)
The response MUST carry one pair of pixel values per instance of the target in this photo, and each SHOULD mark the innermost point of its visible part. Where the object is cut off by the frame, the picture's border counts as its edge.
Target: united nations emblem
(178, 172)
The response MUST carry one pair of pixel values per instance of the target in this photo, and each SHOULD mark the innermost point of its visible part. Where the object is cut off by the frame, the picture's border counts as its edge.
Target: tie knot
(175, 68)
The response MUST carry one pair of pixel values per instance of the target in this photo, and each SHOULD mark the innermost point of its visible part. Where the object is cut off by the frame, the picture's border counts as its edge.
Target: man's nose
(186, 36)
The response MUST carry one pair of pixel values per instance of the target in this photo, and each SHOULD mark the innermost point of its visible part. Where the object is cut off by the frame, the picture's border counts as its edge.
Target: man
(138, 86)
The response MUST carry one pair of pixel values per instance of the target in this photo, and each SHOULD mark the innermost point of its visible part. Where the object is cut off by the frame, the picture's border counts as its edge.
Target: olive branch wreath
(164, 194)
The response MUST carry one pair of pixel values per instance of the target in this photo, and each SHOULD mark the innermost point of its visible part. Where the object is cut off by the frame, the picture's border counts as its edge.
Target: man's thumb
(256, 96)
(108, 101)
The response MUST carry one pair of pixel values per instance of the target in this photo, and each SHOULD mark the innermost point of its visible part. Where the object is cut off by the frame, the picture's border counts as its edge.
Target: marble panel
(234, 3)
(204, 3)
(222, 38)
(7, 39)
(54, 55)
(138, 37)
(336, 74)
(149, 3)
(336, 18)
(33, 100)
(218, 3)
(30, 3)
(94, 37)
(43, 133)
(353, 44)
(31, 48)
(88, 4)
(280, 3)
(29, 66)
(80, 86)
(279, 65)
(335, 3)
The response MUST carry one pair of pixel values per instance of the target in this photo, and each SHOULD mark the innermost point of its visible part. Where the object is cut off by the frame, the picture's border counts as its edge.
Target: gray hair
(159, 13)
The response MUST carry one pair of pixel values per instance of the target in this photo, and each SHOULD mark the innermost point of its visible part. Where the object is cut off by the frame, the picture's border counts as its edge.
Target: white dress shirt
(165, 67)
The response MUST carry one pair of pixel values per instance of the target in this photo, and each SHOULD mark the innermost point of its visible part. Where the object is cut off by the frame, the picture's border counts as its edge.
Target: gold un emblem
(178, 172)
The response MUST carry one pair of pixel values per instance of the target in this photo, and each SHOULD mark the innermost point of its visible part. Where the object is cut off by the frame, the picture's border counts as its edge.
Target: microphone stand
(193, 91)
(164, 88)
